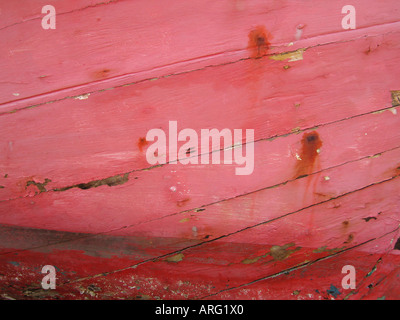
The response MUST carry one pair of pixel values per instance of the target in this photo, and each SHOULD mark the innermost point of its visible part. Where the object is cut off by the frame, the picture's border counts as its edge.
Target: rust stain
(311, 143)
(259, 42)
(102, 73)
(345, 223)
(371, 49)
(350, 238)
(142, 143)
(182, 202)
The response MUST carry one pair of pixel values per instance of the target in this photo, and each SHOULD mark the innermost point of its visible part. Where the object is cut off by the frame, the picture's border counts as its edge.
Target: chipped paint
(290, 56)
(395, 97)
(82, 96)
(176, 258)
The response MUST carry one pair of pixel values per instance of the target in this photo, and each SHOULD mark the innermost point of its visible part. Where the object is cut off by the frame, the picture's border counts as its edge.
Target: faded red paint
(68, 195)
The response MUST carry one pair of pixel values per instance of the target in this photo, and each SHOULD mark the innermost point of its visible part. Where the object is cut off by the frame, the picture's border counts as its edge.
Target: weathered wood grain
(323, 279)
(114, 40)
(14, 13)
(218, 266)
(77, 192)
(149, 195)
(77, 141)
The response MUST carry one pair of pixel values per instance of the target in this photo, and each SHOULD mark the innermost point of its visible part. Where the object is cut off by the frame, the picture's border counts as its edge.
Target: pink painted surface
(77, 192)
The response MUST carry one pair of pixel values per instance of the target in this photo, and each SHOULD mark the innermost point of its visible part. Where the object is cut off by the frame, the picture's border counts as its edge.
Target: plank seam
(211, 240)
(60, 13)
(301, 266)
(124, 177)
(167, 75)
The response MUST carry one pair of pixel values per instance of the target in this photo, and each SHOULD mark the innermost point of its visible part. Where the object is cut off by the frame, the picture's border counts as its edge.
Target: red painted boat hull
(79, 190)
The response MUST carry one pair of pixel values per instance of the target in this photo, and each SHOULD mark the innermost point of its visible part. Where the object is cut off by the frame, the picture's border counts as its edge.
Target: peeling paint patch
(395, 97)
(254, 260)
(291, 56)
(281, 252)
(40, 185)
(82, 96)
(392, 110)
(111, 181)
(333, 291)
(176, 258)
(325, 249)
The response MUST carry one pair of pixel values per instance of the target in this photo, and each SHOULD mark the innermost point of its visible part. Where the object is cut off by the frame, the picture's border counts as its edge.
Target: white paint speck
(173, 188)
(298, 34)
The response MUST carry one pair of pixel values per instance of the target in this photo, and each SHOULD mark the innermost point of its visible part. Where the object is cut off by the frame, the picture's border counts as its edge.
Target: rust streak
(259, 42)
(311, 143)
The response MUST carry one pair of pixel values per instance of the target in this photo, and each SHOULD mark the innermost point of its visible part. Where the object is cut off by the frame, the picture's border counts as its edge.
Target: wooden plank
(323, 280)
(286, 243)
(266, 205)
(105, 208)
(224, 266)
(77, 192)
(77, 141)
(13, 13)
(118, 39)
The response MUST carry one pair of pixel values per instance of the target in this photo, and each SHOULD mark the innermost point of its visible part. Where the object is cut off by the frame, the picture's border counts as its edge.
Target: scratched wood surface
(129, 41)
(77, 192)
